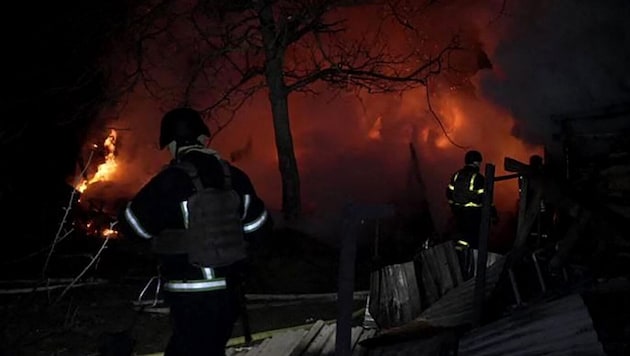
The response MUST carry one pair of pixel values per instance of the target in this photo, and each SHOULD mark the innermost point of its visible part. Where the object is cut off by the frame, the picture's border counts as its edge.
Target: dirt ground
(81, 324)
(88, 315)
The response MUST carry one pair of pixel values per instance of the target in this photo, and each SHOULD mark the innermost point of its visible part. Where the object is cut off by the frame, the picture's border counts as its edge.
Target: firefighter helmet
(182, 125)
(472, 157)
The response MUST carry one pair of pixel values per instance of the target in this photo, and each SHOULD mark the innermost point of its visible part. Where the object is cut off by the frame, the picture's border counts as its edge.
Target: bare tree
(216, 55)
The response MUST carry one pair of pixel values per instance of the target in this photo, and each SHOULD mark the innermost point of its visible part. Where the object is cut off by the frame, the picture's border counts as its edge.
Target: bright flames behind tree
(100, 224)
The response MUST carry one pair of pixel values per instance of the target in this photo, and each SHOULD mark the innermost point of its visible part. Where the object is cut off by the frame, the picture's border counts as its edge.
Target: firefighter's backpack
(214, 231)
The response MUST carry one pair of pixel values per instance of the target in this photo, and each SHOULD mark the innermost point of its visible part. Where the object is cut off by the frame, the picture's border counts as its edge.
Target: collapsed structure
(570, 248)
(570, 235)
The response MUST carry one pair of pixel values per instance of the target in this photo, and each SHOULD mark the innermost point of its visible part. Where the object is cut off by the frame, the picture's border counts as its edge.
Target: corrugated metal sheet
(451, 311)
(438, 323)
(561, 327)
(317, 339)
(439, 272)
(394, 297)
(398, 293)
(456, 307)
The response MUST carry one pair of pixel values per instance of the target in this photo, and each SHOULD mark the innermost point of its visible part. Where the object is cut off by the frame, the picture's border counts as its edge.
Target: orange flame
(109, 233)
(375, 131)
(454, 121)
(105, 170)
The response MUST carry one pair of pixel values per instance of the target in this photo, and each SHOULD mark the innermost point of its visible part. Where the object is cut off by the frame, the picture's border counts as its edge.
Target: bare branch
(217, 55)
(60, 235)
(375, 74)
(92, 261)
(439, 121)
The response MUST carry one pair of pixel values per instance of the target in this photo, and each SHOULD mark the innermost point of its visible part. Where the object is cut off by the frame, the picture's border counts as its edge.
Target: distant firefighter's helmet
(473, 157)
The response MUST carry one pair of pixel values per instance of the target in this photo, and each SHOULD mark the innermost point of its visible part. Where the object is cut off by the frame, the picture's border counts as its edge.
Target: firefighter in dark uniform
(201, 276)
(465, 197)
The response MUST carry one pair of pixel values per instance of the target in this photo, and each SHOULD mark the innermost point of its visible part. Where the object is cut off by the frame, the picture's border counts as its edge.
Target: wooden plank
(529, 217)
(443, 275)
(427, 273)
(329, 346)
(359, 350)
(322, 297)
(379, 305)
(282, 344)
(399, 299)
(315, 347)
(413, 294)
(484, 234)
(308, 338)
(453, 262)
(356, 333)
(254, 351)
(522, 204)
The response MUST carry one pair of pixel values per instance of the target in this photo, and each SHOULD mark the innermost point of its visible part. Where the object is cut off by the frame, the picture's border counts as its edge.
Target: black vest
(213, 236)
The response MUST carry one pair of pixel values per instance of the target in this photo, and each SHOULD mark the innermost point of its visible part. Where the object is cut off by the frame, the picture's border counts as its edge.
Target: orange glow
(98, 227)
(480, 125)
(109, 233)
(442, 142)
(105, 171)
(455, 124)
(349, 149)
(375, 131)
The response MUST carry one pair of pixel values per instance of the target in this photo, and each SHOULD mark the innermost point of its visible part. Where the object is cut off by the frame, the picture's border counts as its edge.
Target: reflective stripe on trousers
(200, 285)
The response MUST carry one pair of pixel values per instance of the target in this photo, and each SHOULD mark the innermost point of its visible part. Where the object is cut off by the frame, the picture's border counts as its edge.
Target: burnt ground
(33, 324)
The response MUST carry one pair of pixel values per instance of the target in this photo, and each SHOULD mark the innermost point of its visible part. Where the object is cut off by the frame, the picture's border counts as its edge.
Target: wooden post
(345, 287)
(484, 232)
(522, 203)
(347, 259)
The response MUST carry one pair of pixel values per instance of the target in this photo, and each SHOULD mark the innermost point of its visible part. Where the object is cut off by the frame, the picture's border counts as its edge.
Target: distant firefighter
(465, 192)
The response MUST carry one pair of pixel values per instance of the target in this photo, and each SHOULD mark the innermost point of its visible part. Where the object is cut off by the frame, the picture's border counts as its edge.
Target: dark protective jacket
(157, 208)
(466, 188)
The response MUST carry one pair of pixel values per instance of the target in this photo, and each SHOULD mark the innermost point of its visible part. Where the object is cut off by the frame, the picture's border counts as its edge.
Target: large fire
(105, 170)
(357, 150)
(96, 222)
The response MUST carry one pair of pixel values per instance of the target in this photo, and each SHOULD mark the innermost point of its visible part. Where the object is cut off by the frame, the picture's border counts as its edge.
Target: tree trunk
(287, 163)
(278, 97)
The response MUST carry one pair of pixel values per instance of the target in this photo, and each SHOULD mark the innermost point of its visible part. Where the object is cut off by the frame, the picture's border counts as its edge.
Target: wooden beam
(484, 232)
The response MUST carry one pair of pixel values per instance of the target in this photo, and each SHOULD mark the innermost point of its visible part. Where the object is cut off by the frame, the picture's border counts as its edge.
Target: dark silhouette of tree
(215, 55)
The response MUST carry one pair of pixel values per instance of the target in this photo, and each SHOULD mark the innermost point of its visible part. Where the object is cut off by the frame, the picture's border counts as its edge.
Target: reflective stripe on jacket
(466, 188)
(208, 283)
(162, 204)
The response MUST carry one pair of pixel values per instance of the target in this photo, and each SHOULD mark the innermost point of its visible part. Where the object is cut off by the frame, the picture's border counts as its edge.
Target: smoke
(340, 157)
(563, 56)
